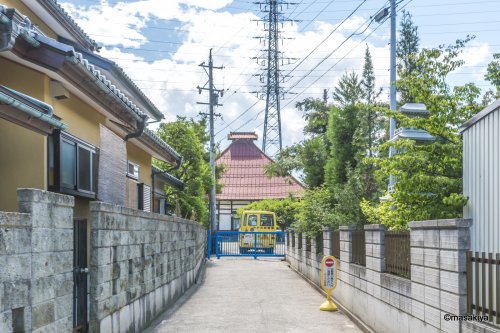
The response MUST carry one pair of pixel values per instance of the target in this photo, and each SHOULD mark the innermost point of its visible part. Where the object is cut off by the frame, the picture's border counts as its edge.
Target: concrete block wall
(36, 264)
(306, 262)
(140, 264)
(437, 285)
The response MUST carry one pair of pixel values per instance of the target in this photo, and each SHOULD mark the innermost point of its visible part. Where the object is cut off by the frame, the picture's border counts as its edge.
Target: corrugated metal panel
(482, 182)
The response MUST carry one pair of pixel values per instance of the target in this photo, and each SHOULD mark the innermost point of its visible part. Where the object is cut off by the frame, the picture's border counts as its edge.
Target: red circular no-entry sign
(329, 262)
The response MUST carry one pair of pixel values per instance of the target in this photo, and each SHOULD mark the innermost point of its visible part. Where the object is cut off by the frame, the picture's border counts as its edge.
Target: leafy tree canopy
(188, 138)
(348, 91)
(428, 176)
(286, 210)
(493, 75)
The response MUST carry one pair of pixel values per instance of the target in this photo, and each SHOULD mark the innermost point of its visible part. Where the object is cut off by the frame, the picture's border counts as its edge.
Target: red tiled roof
(245, 178)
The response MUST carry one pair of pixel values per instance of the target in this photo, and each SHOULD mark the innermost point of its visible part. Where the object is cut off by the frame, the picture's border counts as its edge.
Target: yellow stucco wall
(30, 148)
(83, 121)
(23, 162)
(33, 18)
(143, 159)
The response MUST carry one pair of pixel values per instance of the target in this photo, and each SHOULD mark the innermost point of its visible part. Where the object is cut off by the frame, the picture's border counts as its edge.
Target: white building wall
(224, 210)
(481, 170)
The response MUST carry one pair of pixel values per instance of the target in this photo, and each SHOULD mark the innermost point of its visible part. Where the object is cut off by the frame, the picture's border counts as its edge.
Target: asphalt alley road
(248, 295)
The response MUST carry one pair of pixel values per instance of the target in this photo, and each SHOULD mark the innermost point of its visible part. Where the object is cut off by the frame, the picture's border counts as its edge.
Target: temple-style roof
(245, 178)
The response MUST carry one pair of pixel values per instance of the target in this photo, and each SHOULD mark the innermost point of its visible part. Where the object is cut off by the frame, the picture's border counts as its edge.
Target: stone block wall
(388, 303)
(36, 264)
(140, 264)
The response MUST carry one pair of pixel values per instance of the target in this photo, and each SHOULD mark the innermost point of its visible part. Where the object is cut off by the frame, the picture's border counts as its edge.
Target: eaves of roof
(77, 70)
(163, 148)
(482, 114)
(33, 109)
(122, 80)
(57, 12)
(168, 178)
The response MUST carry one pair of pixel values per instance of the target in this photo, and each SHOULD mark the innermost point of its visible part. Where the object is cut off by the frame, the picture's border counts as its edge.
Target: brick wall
(36, 263)
(140, 264)
(112, 167)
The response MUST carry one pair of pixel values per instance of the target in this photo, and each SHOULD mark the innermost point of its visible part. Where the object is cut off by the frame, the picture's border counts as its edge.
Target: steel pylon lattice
(272, 142)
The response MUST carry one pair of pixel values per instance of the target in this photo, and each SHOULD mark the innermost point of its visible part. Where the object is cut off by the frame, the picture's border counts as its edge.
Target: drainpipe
(5, 99)
(140, 128)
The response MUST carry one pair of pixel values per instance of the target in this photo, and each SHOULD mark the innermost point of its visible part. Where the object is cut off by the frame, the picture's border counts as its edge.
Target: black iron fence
(335, 243)
(308, 243)
(319, 243)
(358, 247)
(299, 240)
(483, 285)
(397, 253)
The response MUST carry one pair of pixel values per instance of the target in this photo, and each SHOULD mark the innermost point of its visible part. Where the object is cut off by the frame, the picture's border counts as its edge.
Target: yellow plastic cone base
(328, 305)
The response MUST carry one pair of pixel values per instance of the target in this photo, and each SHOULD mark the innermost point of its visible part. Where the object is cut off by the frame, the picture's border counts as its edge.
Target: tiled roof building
(245, 180)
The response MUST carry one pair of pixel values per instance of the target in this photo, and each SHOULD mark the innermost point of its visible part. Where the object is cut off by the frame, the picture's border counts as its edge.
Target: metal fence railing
(358, 247)
(254, 244)
(397, 253)
(335, 243)
(299, 240)
(483, 285)
(308, 243)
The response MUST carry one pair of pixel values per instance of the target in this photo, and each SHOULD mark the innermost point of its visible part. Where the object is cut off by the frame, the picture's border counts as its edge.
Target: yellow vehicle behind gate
(254, 225)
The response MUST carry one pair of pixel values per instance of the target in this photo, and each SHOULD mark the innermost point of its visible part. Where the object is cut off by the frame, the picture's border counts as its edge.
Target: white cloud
(171, 82)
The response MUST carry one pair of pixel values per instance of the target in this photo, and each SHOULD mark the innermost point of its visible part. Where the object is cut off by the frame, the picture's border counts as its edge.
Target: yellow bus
(254, 225)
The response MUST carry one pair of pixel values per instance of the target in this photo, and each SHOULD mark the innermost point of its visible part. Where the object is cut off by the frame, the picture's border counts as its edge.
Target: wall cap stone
(327, 229)
(441, 224)
(13, 219)
(37, 195)
(99, 206)
(347, 227)
(373, 227)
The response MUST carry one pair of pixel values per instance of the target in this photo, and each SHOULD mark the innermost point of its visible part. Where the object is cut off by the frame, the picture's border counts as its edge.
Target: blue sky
(160, 43)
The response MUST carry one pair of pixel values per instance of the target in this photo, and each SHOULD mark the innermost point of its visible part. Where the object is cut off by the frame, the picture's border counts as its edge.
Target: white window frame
(134, 175)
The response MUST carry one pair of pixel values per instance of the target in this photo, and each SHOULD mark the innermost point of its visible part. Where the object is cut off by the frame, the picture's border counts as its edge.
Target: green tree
(371, 123)
(307, 158)
(428, 177)
(315, 113)
(341, 129)
(493, 75)
(406, 51)
(348, 91)
(286, 210)
(188, 138)
(316, 211)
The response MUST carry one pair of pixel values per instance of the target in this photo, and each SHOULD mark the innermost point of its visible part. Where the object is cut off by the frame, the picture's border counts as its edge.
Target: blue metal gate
(249, 244)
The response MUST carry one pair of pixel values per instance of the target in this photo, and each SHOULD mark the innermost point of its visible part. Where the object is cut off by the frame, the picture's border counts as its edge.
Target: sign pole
(329, 277)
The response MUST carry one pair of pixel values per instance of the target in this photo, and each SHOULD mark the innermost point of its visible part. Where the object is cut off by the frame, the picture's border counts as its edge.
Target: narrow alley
(247, 295)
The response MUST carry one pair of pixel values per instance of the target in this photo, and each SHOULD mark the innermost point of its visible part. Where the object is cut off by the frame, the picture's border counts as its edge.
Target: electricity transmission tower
(271, 76)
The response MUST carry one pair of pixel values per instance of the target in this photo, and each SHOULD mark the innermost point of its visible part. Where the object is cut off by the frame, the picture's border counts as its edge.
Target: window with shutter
(144, 197)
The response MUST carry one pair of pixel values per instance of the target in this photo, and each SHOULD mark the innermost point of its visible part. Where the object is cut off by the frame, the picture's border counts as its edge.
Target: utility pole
(381, 15)
(392, 121)
(213, 100)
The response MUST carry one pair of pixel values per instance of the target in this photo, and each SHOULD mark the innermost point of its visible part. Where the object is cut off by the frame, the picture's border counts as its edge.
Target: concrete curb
(365, 328)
